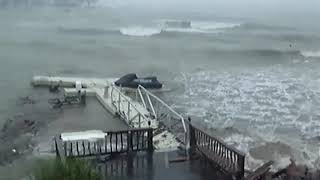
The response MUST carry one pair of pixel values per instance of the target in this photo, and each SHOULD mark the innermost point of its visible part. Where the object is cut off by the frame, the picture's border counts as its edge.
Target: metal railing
(115, 142)
(125, 107)
(163, 113)
(226, 157)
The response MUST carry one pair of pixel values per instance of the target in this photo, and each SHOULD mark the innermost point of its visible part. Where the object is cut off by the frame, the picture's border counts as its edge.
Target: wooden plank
(111, 142)
(84, 148)
(116, 142)
(77, 148)
(121, 139)
(89, 148)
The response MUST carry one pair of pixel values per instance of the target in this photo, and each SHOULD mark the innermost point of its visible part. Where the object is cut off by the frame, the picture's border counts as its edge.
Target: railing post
(150, 138)
(129, 142)
(192, 137)
(71, 149)
(65, 149)
(241, 162)
(56, 146)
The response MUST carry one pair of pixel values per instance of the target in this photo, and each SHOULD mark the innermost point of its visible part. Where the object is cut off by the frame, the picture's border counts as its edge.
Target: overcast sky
(236, 6)
(299, 11)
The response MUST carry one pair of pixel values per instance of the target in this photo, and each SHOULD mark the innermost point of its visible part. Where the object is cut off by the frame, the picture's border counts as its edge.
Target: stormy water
(254, 83)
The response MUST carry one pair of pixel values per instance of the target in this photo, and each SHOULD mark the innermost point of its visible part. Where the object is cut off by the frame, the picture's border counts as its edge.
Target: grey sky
(242, 6)
(290, 11)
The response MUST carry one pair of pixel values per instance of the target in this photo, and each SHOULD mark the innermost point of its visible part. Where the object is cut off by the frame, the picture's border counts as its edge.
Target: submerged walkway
(146, 133)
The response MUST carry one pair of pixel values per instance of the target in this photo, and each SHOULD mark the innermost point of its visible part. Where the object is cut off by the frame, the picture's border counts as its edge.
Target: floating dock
(144, 110)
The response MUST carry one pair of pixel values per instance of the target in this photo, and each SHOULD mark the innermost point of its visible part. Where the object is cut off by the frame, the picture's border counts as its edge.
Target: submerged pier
(153, 126)
(138, 108)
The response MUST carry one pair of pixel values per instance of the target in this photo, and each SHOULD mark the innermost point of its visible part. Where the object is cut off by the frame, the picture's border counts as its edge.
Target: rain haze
(245, 70)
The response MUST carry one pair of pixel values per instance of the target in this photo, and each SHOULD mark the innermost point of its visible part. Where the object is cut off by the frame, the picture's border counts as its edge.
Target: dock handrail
(214, 149)
(148, 94)
(114, 142)
(130, 105)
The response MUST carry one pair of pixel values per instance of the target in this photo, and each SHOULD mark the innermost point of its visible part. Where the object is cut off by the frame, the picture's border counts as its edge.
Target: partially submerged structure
(153, 125)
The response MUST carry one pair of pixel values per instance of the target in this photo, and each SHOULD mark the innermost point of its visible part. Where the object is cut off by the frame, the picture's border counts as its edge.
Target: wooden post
(84, 149)
(241, 161)
(143, 146)
(129, 142)
(150, 140)
(71, 150)
(78, 148)
(192, 137)
(121, 138)
(56, 146)
(65, 149)
(105, 144)
(110, 143)
(116, 142)
(137, 140)
(89, 148)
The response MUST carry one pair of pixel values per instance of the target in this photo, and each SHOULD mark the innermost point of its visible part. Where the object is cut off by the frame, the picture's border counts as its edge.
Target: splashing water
(274, 104)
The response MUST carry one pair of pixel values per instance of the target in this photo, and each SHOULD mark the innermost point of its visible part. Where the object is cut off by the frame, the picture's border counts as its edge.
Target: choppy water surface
(256, 84)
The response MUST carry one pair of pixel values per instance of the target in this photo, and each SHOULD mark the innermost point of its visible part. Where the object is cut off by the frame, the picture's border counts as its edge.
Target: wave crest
(178, 26)
(310, 53)
(139, 31)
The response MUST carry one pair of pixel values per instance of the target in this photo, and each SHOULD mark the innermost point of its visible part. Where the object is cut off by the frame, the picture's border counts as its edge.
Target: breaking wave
(311, 53)
(139, 31)
(167, 26)
(272, 104)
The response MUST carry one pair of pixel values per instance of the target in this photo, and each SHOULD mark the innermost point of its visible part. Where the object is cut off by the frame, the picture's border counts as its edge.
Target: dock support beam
(192, 137)
(150, 139)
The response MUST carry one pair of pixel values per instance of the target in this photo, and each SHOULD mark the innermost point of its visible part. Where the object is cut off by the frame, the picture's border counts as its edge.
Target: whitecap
(207, 25)
(310, 53)
(139, 31)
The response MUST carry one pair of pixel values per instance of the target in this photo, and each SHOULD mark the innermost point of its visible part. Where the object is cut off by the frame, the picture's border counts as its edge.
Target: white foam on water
(311, 53)
(239, 141)
(274, 104)
(139, 31)
(195, 27)
(204, 27)
(207, 25)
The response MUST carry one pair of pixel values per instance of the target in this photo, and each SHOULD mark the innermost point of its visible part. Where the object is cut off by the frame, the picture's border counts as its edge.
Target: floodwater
(255, 84)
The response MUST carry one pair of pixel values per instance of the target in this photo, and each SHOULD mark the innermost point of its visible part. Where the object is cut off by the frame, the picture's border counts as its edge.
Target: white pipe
(132, 105)
(167, 106)
(142, 98)
(151, 105)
